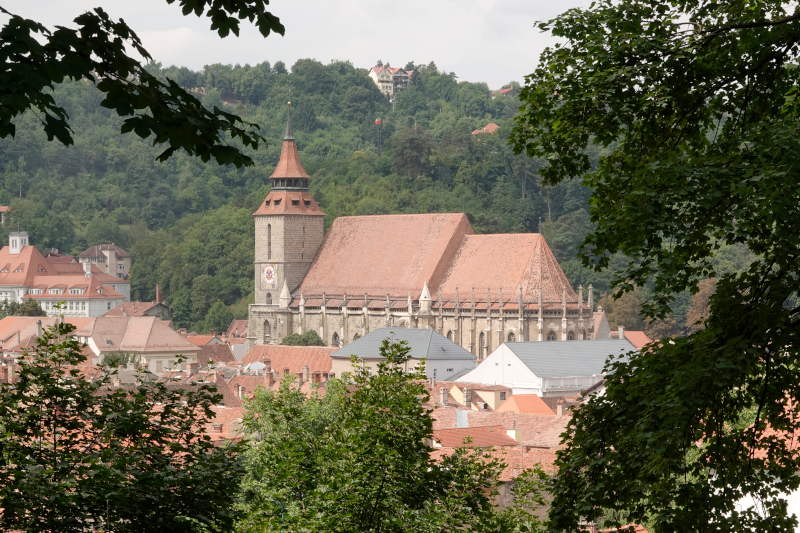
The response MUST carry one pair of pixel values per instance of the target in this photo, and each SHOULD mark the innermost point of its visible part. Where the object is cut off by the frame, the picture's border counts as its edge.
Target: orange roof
(638, 338)
(289, 165)
(473, 437)
(502, 263)
(138, 334)
(19, 331)
(20, 269)
(380, 254)
(489, 128)
(131, 309)
(94, 287)
(226, 423)
(516, 458)
(317, 358)
(284, 202)
(525, 403)
(200, 340)
(532, 429)
(238, 328)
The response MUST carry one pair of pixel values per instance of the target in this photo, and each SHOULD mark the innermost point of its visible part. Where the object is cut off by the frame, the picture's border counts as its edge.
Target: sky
(490, 41)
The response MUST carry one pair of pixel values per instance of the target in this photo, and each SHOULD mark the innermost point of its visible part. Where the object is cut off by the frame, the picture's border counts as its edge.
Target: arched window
(269, 241)
(269, 298)
(583, 335)
(267, 331)
(482, 345)
(450, 335)
(571, 336)
(335, 339)
(511, 337)
(551, 336)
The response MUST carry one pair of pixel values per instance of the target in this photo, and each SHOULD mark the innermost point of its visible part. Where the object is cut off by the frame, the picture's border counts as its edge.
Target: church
(407, 270)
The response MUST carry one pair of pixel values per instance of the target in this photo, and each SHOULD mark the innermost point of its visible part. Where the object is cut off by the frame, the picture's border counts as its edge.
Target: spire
(285, 298)
(287, 132)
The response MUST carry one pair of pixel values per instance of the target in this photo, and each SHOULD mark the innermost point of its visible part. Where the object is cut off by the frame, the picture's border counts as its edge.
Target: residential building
(112, 259)
(401, 271)
(548, 368)
(390, 80)
(62, 288)
(156, 309)
(442, 357)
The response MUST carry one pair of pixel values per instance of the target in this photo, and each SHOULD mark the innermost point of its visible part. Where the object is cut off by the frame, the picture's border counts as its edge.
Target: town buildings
(112, 259)
(399, 271)
(61, 286)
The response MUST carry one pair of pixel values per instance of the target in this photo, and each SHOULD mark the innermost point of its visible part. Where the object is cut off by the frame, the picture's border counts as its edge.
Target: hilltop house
(390, 80)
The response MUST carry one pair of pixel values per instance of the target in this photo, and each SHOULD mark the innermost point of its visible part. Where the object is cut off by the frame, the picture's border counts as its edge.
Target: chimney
(620, 332)
(306, 374)
(158, 294)
(443, 393)
(38, 328)
(17, 240)
(87, 269)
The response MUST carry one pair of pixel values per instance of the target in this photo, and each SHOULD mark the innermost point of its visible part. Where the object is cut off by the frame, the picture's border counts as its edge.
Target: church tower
(289, 228)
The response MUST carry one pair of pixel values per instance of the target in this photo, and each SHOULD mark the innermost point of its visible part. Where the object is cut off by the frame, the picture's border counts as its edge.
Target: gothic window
(511, 337)
(335, 340)
(571, 336)
(583, 335)
(482, 345)
(269, 241)
(267, 331)
(269, 298)
(551, 336)
(450, 335)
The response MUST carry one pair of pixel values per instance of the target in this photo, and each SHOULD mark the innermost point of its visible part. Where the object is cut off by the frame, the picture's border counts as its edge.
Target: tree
(26, 308)
(356, 459)
(77, 454)
(218, 318)
(694, 107)
(309, 338)
(35, 59)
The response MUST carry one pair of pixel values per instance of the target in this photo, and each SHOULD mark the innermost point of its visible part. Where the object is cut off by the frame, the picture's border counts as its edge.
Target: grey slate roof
(554, 359)
(424, 343)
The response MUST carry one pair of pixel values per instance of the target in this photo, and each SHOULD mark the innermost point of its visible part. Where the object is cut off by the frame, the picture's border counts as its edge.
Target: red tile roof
(525, 403)
(489, 128)
(98, 249)
(289, 165)
(200, 340)
(317, 358)
(639, 339)
(394, 254)
(214, 353)
(284, 202)
(238, 328)
(516, 458)
(131, 309)
(473, 437)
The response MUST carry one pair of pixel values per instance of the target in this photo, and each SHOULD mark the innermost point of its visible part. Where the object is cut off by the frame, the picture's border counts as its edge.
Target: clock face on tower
(268, 277)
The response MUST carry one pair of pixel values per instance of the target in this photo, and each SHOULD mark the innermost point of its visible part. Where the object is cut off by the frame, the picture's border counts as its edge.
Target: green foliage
(218, 318)
(36, 59)
(26, 308)
(356, 459)
(77, 454)
(694, 107)
(309, 338)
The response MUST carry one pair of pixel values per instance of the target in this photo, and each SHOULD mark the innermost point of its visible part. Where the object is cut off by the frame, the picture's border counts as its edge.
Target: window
(269, 239)
(267, 331)
(76, 291)
(269, 298)
(35, 291)
(216, 428)
(482, 345)
(450, 335)
(551, 336)
(571, 336)
(54, 291)
(502, 395)
(335, 339)
(108, 306)
(511, 337)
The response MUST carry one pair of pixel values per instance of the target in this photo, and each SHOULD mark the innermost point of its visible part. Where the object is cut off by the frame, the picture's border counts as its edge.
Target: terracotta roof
(200, 340)
(317, 358)
(20, 269)
(473, 437)
(498, 265)
(516, 458)
(94, 287)
(284, 202)
(289, 165)
(489, 128)
(98, 249)
(131, 309)
(379, 254)
(216, 353)
(138, 334)
(525, 403)
(532, 429)
(238, 328)
(20, 331)
(639, 339)
(226, 423)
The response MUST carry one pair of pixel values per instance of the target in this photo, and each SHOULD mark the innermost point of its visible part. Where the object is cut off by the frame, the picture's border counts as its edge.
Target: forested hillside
(187, 223)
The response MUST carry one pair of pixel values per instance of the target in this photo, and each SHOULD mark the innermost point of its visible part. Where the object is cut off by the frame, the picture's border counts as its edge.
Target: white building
(547, 368)
(65, 288)
(390, 80)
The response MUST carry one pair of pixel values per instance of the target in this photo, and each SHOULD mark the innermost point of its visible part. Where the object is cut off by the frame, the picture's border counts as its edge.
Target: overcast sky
(480, 40)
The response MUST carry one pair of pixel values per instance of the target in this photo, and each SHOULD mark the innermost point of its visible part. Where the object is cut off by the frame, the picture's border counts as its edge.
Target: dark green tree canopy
(35, 59)
(694, 106)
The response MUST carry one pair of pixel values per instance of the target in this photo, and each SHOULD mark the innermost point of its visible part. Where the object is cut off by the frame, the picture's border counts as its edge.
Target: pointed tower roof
(289, 180)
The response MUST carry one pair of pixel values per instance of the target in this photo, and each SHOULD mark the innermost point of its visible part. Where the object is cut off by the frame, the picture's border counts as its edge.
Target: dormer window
(20, 267)
(277, 202)
(54, 291)
(42, 268)
(295, 202)
(267, 202)
(76, 291)
(307, 202)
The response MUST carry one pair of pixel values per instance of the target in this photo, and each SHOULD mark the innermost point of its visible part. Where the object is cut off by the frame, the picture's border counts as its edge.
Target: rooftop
(424, 343)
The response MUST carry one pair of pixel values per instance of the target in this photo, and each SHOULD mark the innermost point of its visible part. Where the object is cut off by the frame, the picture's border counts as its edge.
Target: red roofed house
(409, 270)
(489, 128)
(61, 288)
